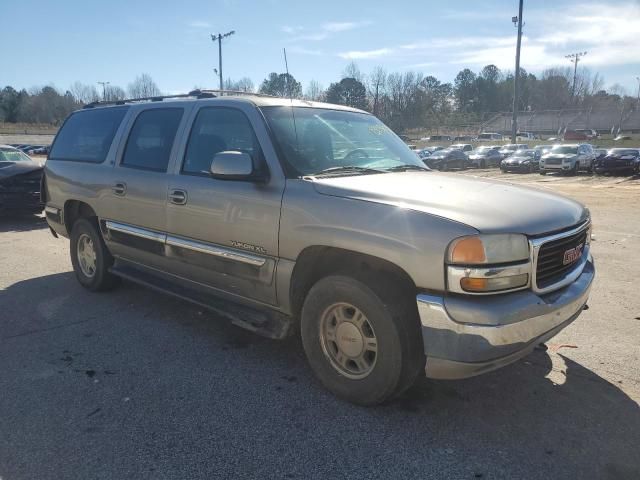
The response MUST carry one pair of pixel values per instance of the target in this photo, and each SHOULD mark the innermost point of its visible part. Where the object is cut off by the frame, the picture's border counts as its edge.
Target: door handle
(178, 197)
(119, 188)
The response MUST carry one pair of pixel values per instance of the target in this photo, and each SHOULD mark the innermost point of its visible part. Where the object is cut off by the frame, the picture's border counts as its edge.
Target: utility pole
(638, 79)
(104, 90)
(514, 122)
(219, 38)
(575, 58)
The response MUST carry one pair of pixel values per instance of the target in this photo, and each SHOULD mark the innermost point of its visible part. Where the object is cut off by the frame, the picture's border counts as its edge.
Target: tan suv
(294, 216)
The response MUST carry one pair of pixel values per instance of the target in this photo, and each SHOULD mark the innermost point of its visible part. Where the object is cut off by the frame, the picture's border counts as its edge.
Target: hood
(518, 159)
(489, 206)
(9, 169)
(559, 155)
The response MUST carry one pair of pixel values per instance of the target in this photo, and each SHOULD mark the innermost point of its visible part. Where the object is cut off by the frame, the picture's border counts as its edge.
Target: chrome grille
(553, 161)
(551, 267)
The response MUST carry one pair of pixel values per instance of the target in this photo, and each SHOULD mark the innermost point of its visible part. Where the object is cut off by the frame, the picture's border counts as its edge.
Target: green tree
(465, 90)
(281, 85)
(348, 91)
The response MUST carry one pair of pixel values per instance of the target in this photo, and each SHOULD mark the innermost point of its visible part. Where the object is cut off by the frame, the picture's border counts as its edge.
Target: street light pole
(219, 38)
(104, 90)
(514, 122)
(638, 79)
(575, 58)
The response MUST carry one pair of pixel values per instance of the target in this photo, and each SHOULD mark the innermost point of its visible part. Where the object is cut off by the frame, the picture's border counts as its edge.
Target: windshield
(321, 139)
(623, 151)
(511, 147)
(7, 155)
(481, 150)
(564, 149)
(525, 153)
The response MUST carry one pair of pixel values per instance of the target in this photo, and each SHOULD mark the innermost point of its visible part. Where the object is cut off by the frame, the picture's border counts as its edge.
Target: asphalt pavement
(134, 384)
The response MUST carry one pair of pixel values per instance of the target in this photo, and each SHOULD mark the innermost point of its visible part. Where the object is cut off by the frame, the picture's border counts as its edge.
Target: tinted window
(219, 129)
(151, 138)
(87, 135)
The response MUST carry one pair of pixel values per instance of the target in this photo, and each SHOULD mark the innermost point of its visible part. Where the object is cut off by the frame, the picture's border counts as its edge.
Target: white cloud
(291, 30)
(199, 24)
(365, 54)
(610, 34)
(324, 31)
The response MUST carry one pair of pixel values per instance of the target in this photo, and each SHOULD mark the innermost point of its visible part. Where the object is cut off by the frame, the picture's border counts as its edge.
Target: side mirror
(232, 165)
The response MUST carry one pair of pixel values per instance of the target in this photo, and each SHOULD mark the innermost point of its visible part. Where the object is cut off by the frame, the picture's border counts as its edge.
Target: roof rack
(206, 93)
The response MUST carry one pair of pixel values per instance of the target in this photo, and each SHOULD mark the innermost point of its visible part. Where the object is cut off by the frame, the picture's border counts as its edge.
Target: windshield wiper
(347, 169)
(404, 168)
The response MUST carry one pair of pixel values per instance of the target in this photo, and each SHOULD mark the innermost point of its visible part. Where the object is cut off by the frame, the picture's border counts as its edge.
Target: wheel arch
(316, 262)
(75, 209)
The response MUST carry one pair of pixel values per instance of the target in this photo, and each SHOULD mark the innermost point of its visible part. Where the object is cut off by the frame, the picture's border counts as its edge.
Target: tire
(85, 231)
(483, 164)
(542, 172)
(393, 321)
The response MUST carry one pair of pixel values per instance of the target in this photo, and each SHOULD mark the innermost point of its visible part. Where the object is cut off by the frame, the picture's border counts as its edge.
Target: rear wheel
(542, 172)
(90, 258)
(365, 346)
(483, 164)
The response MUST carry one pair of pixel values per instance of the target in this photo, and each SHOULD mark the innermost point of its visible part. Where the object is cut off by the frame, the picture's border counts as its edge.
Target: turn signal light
(469, 251)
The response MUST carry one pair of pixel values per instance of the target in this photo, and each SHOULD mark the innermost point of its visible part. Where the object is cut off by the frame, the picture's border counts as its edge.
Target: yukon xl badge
(247, 246)
(572, 254)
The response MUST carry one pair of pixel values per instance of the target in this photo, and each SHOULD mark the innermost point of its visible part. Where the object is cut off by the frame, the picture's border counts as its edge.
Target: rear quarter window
(86, 136)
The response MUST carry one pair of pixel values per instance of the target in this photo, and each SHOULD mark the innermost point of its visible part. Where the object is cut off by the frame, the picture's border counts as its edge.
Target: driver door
(224, 233)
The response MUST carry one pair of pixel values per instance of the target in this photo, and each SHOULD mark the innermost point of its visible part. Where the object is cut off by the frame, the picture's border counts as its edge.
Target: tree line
(403, 100)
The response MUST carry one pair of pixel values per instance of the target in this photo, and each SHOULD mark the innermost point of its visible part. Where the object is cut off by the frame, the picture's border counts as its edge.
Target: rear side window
(219, 129)
(151, 138)
(87, 135)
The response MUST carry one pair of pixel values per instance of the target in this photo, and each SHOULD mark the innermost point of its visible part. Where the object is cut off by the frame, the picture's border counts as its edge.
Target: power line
(104, 89)
(514, 122)
(575, 58)
(219, 38)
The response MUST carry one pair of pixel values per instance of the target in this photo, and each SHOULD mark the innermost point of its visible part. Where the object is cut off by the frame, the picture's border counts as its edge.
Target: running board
(270, 324)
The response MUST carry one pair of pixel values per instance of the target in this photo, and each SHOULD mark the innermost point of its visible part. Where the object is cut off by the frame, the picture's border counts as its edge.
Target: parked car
(583, 134)
(568, 159)
(543, 148)
(447, 159)
(488, 136)
(464, 138)
(465, 147)
(511, 148)
(19, 182)
(619, 160)
(525, 136)
(386, 269)
(599, 153)
(486, 156)
(522, 161)
(440, 138)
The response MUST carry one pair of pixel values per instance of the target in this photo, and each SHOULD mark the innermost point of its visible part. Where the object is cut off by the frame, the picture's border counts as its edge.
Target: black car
(485, 156)
(19, 182)
(619, 160)
(522, 161)
(447, 159)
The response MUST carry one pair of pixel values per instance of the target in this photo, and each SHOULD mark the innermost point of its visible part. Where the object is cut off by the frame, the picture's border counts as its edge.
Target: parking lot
(133, 384)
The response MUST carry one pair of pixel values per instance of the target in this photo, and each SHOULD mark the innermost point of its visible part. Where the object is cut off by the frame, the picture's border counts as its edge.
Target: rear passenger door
(136, 208)
(224, 233)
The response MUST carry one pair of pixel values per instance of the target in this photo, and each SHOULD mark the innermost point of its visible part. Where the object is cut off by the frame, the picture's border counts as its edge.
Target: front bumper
(20, 202)
(516, 167)
(614, 168)
(563, 167)
(467, 336)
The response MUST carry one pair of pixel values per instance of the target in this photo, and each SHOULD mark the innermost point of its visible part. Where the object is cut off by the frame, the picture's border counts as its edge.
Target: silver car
(294, 216)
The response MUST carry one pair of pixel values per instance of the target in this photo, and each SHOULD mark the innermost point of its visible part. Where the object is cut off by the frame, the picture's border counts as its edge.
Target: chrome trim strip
(537, 243)
(216, 251)
(456, 273)
(136, 231)
(52, 210)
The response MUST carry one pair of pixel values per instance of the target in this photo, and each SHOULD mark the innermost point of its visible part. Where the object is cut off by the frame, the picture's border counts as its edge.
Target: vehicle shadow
(196, 376)
(22, 223)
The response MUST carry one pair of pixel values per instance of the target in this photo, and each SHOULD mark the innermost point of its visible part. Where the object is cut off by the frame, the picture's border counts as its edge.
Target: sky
(59, 42)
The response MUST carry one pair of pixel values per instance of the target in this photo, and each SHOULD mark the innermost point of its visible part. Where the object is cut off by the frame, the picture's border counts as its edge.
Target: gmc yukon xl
(293, 216)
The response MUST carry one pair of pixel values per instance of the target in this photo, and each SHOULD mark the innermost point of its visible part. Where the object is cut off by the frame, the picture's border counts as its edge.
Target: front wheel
(542, 172)
(365, 346)
(90, 258)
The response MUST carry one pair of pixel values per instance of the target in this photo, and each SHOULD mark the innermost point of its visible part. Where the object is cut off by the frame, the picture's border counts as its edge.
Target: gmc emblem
(572, 254)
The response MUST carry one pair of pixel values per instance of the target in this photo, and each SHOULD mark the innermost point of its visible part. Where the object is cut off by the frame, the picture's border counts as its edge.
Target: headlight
(526, 162)
(476, 264)
(488, 249)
